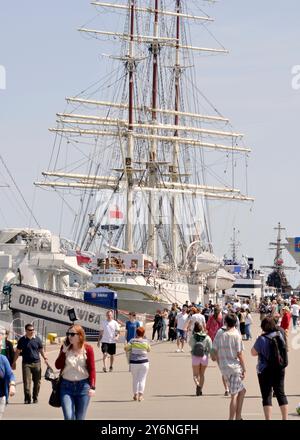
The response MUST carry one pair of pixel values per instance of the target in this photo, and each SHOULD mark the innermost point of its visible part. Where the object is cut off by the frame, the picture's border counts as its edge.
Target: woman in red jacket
(214, 323)
(285, 320)
(78, 375)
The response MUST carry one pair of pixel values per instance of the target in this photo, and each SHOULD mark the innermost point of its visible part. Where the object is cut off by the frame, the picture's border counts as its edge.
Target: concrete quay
(170, 390)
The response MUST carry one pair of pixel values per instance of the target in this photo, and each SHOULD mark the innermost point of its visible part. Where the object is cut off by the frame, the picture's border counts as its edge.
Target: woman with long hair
(78, 374)
(138, 349)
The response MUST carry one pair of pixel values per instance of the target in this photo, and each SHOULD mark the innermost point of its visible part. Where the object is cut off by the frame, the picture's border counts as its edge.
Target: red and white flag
(82, 258)
(116, 213)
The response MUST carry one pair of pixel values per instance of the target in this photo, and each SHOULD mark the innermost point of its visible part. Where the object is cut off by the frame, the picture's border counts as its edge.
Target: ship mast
(174, 167)
(147, 178)
(278, 248)
(234, 246)
(279, 280)
(152, 167)
(130, 143)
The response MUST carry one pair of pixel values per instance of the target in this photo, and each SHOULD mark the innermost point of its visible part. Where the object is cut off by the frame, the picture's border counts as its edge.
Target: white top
(110, 330)
(197, 317)
(75, 366)
(295, 310)
(248, 319)
(181, 320)
(236, 305)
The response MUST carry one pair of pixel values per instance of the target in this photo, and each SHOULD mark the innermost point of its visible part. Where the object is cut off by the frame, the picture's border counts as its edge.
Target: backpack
(263, 308)
(278, 352)
(199, 347)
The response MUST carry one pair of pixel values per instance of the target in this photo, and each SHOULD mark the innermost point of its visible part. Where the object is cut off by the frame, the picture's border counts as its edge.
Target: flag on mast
(116, 213)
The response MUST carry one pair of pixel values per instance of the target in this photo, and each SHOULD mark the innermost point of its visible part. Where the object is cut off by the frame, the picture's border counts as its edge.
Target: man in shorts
(180, 323)
(227, 351)
(108, 335)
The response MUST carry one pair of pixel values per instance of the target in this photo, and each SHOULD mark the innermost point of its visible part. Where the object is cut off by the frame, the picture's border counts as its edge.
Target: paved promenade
(170, 390)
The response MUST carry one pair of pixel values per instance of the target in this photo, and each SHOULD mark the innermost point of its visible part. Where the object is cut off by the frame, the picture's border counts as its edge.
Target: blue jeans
(74, 398)
(295, 319)
(248, 332)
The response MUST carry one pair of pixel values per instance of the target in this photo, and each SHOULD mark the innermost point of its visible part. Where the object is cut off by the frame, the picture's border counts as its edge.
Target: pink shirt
(213, 325)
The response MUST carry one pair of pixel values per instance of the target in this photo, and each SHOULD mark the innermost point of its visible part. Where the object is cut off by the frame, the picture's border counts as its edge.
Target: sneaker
(178, 350)
(135, 397)
(226, 393)
(104, 370)
(140, 398)
(35, 401)
(27, 402)
(182, 350)
(110, 368)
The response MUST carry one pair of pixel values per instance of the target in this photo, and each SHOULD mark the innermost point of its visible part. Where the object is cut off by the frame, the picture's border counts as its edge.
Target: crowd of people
(211, 331)
(218, 332)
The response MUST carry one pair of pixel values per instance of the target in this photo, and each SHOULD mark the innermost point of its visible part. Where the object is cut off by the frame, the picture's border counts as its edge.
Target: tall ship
(146, 154)
(277, 277)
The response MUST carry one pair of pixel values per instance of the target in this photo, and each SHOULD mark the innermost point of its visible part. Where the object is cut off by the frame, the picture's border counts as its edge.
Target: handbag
(54, 399)
(49, 374)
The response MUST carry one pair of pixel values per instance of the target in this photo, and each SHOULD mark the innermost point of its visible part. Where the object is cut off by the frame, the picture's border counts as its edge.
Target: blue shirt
(6, 376)
(30, 349)
(262, 346)
(131, 329)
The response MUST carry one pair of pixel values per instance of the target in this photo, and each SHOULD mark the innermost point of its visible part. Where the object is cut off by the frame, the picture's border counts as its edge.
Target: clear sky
(45, 59)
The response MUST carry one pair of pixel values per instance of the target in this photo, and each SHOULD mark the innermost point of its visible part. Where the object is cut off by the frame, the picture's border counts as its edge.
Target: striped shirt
(138, 349)
(228, 344)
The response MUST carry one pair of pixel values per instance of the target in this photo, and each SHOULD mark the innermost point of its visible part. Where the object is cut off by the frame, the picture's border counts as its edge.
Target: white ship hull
(246, 287)
(137, 294)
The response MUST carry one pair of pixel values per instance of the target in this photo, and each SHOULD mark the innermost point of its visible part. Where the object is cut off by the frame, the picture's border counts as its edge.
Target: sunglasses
(30, 329)
(71, 334)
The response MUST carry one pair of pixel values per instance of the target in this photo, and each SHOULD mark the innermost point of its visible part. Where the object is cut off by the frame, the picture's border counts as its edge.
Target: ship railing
(118, 272)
